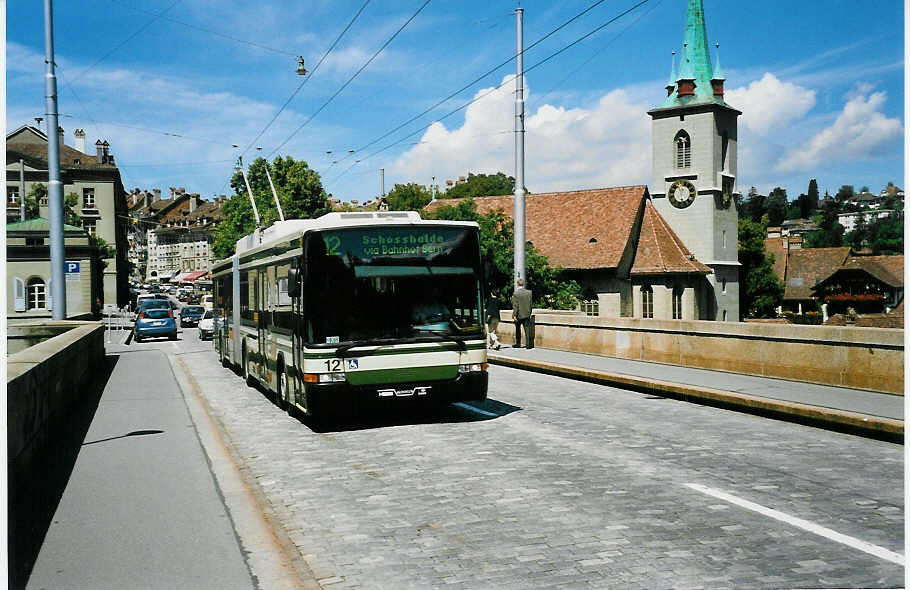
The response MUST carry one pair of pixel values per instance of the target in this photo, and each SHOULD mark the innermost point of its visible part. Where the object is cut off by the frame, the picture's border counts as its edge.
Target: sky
(424, 89)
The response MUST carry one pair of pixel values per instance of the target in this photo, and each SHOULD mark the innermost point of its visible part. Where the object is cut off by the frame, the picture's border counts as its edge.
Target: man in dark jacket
(521, 314)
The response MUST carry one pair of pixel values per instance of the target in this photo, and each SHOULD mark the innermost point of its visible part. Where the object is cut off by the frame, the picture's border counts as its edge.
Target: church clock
(681, 194)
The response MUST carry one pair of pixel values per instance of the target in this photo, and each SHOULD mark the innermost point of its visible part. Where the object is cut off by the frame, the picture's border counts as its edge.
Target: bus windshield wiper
(342, 350)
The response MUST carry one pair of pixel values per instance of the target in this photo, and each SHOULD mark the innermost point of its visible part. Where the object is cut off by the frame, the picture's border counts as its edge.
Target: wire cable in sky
(306, 78)
(482, 76)
(351, 79)
(494, 89)
(209, 31)
(127, 40)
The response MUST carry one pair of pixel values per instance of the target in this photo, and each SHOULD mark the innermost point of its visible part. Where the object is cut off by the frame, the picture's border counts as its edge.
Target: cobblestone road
(561, 484)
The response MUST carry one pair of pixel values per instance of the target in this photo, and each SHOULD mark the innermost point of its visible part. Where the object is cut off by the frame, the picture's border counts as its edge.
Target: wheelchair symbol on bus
(352, 364)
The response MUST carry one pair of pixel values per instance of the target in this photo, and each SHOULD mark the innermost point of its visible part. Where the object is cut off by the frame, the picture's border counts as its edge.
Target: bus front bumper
(344, 398)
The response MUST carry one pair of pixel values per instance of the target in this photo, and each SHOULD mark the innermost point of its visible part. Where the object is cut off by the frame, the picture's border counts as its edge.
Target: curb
(841, 420)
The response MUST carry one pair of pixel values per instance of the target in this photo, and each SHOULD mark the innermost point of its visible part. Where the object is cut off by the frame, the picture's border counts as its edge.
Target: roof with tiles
(660, 251)
(806, 267)
(778, 248)
(887, 269)
(602, 223)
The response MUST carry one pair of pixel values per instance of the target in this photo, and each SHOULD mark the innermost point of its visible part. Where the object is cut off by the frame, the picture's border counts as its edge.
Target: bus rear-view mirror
(293, 282)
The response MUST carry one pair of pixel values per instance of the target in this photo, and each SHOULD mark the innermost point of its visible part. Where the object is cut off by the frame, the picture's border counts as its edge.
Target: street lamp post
(54, 187)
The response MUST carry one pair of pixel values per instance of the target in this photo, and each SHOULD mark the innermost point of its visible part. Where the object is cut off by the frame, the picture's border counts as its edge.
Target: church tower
(693, 138)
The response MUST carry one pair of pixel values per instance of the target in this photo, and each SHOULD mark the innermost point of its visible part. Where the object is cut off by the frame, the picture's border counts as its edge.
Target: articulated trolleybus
(352, 310)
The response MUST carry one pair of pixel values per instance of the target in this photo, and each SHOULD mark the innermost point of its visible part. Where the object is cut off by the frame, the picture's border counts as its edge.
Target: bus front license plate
(415, 391)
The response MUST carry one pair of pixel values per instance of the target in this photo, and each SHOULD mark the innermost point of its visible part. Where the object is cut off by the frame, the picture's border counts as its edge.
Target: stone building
(669, 252)
(28, 272)
(95, 179)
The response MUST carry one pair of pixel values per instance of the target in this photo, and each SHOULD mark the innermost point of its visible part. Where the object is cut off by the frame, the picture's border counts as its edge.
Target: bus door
(296, 333)
(262, 325)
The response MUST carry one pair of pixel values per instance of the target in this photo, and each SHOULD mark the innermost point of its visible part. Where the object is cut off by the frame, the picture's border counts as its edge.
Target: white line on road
(471, 408)
(875, 550)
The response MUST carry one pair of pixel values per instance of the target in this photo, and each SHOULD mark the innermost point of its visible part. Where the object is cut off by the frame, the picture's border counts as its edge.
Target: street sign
(72, 271)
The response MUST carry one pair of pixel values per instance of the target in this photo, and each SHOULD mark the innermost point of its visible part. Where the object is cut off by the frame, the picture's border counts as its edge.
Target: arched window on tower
(683, 150)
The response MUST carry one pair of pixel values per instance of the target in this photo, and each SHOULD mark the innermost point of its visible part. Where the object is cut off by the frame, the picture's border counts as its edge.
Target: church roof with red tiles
(660, 250)
(584, 229)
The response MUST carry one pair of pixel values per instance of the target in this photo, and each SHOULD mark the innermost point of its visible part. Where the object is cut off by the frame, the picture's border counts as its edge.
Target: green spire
(718, 72)
(695, 60)
(673, 78)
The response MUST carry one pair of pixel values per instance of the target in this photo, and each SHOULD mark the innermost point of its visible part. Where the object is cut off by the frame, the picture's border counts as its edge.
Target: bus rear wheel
(245, 370)
(281, 396)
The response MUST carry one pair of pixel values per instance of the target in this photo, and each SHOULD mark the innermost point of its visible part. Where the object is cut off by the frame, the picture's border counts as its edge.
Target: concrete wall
(864, 358)
(44, 386)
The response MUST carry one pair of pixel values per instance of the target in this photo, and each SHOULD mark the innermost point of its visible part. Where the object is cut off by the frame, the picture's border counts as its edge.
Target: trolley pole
(519, 213)
(54, 187)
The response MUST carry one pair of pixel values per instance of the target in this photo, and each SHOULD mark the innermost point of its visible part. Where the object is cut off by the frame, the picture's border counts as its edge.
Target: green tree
(806, 205)
(858, 236)
(482, 185)
(845, 193)
(299, 189)
(776, 206)
(830, 233)
(760, 290)
(754, 206)
(70, 217)
(408, 197)
(35, 195)
(497, 249)
(886, 235)
(813, 195)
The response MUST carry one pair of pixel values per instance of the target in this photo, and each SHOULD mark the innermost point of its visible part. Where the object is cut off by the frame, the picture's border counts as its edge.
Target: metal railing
(116, 319)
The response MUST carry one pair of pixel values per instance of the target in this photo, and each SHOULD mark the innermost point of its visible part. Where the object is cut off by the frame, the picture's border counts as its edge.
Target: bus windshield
(392, 283)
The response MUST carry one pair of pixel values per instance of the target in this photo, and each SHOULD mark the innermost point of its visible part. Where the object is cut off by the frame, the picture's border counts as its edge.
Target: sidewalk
(880, 415)
(141, 508)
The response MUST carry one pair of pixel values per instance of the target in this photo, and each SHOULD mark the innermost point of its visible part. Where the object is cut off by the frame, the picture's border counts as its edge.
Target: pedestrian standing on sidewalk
(521, 314)
(492, 318)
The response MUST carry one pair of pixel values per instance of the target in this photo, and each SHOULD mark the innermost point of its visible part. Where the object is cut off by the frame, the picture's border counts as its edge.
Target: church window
(723, 286)
(677, 303)
(683, 150)
(723, 151)
(647, 301)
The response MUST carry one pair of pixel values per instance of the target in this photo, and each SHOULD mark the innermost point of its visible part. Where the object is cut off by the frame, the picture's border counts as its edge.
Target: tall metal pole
(519, 214)
(382, 181)
(54, 187)
(21, 189)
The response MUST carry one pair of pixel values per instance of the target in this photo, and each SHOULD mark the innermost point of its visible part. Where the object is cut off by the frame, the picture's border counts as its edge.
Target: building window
(725, 315)
(723, 285)
(36, 293)
(88, 198)
(89, 226)
(677, 303)
(647, 302)
(12, 194)
(725, 238)
(683, 150)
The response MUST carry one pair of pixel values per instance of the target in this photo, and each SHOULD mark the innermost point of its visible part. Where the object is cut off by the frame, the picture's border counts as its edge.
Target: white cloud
(769, 104)
(607, 144)
(860, 131)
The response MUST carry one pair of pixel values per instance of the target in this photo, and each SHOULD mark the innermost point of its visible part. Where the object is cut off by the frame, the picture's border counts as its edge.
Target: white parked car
(207, 325)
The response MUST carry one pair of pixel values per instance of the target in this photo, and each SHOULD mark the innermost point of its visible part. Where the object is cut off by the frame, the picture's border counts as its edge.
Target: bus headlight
(472, 367)
(323, 377)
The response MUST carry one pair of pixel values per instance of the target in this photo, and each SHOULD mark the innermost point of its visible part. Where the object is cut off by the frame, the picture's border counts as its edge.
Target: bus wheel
(281, 396)
(245, 370)
(221, 352)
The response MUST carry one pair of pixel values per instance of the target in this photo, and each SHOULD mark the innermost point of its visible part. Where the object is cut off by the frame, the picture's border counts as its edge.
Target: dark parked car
(190, 315)
(155, 322)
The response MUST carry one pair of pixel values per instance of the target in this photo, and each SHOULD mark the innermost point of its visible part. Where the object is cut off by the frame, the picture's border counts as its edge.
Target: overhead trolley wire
(210, 31)
(128, 39)
(494, 89)
(351, 79)
(306, 78)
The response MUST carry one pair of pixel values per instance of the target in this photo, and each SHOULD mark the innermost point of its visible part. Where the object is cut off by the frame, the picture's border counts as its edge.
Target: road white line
(471, 408)
(869, 548)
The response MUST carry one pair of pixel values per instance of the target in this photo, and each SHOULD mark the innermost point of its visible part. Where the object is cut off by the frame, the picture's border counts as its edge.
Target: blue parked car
(155, 322)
